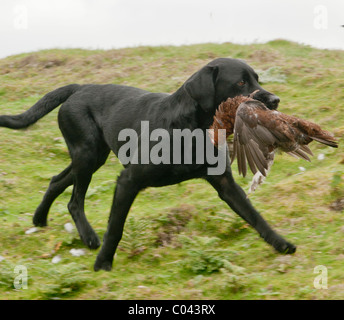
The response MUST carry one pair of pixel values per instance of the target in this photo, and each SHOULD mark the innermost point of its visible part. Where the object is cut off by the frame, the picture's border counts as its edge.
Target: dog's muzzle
(269, 99)
(273, 102)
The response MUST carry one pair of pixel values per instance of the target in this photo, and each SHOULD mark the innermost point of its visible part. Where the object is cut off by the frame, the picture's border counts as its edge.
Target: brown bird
(259, 131)
(225, 116)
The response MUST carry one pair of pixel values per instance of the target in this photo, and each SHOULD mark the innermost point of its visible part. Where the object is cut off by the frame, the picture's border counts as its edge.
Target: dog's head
(226, 78)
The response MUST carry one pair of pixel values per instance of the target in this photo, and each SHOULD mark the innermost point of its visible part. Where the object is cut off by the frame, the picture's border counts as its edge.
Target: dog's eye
(241, 83)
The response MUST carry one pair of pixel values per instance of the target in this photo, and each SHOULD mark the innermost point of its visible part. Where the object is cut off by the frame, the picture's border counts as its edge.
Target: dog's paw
(280, 244)
(286, 248)
(91, 241)
(101, 264)
(39, 222)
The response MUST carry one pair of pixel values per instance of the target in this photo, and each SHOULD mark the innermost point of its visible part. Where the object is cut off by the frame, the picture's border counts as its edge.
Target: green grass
(182, 241)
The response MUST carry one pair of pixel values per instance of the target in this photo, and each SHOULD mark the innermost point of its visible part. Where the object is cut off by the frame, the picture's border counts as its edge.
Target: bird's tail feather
(328, 141)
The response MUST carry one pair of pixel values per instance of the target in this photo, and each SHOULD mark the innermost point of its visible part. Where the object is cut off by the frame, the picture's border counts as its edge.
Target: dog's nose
(273, 102)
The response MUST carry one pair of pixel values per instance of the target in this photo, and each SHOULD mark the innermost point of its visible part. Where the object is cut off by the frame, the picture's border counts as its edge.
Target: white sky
(30, 25)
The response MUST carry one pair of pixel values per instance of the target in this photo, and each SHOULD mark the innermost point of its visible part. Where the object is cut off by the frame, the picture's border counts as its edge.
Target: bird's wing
(253, 141)
(258, 131)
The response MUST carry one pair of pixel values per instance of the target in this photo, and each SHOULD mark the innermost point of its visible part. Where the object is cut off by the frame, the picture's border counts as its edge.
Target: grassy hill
(182, 241)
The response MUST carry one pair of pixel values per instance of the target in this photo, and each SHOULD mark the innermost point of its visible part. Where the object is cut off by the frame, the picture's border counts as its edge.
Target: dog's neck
(183, 107)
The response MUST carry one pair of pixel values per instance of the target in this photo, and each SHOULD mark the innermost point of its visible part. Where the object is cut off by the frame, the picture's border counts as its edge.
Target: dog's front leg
(125, 193)
(235, 197)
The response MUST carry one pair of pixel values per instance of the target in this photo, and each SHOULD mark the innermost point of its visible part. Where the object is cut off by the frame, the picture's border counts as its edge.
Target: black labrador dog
(91, 120)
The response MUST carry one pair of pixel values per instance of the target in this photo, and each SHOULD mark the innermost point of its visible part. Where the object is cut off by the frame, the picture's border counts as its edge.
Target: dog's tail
(48, 103)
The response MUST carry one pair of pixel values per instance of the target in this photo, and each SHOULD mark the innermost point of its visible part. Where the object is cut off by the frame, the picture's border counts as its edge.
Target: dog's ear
(201, 87)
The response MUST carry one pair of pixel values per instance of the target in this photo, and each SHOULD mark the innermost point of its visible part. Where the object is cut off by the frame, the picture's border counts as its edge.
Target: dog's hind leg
(57, 185)
(89, 152)
(84, 163)
(82, 170)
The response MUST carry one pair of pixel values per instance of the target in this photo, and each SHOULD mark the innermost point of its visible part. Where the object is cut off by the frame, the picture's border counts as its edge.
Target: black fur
(91, 118)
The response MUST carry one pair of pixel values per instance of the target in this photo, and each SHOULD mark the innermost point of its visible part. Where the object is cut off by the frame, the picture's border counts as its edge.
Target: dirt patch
(337, 205)
(174, 222)
(35, 61)
(265, 56)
